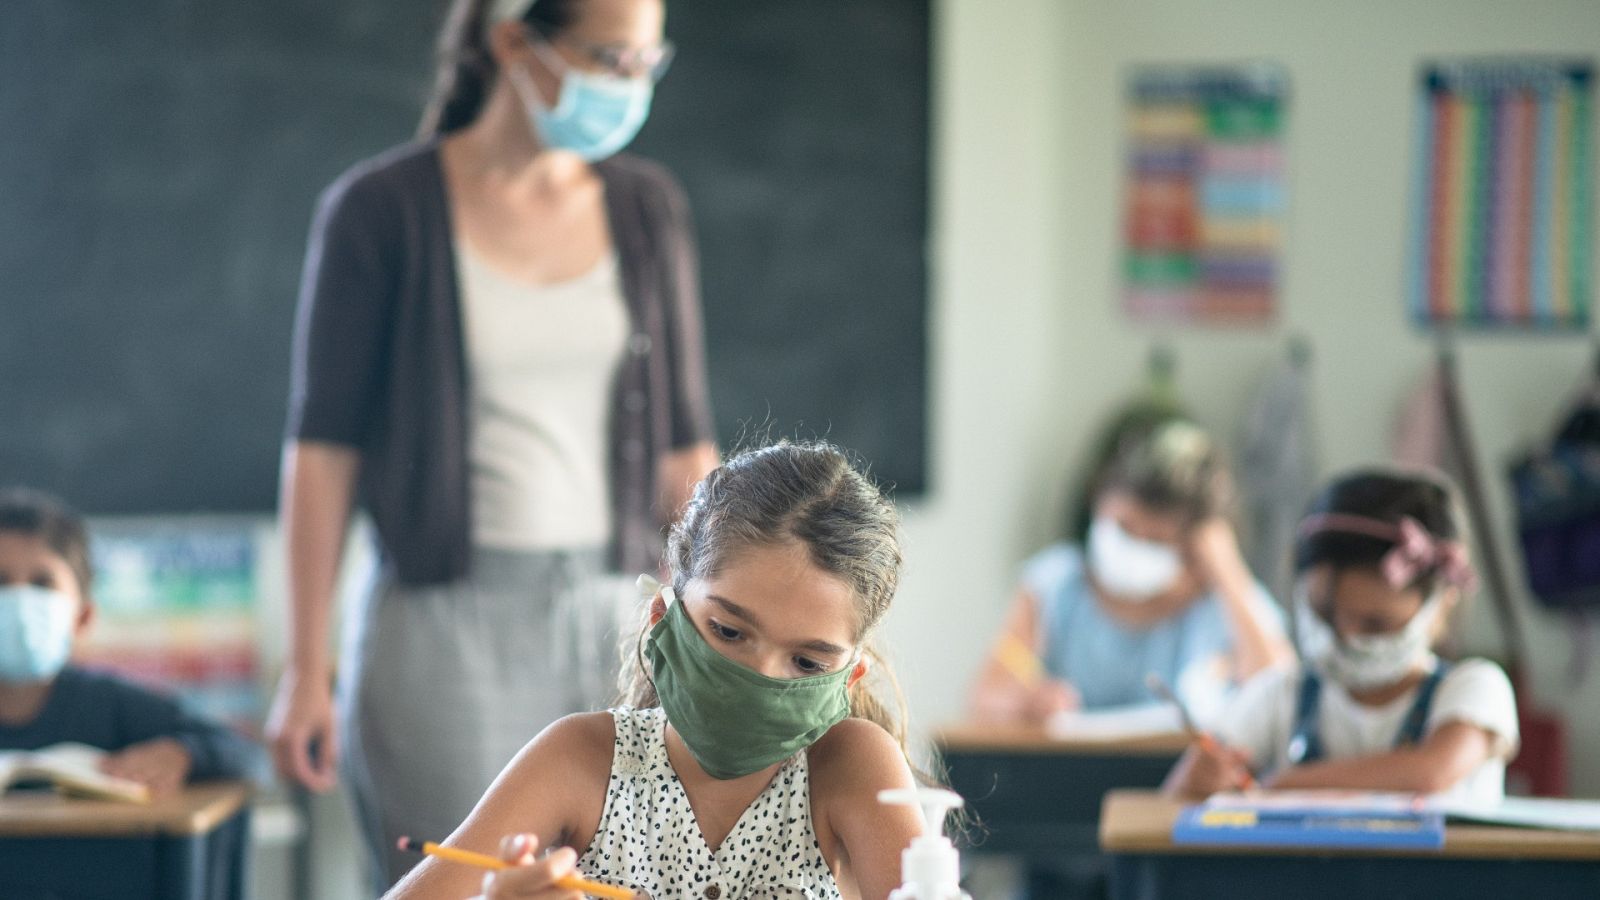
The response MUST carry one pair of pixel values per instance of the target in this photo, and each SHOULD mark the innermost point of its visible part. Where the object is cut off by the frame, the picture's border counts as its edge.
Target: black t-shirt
(105, 711)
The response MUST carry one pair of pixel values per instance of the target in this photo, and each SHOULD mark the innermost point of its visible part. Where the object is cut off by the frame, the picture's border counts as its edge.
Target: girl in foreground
(748, 759)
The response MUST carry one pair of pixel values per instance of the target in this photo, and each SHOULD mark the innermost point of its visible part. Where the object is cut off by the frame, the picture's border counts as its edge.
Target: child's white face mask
(1128, 567)
(1368, 661)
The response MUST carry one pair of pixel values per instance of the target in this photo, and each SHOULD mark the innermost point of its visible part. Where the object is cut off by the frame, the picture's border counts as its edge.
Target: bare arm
(676, 475)
(554, 790)
(316, 497)
(1257, 641)
(1001, 694)
(1437, 764)
(852, 763)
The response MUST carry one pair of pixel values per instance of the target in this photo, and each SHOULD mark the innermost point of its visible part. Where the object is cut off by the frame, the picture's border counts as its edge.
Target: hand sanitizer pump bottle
(930, 869)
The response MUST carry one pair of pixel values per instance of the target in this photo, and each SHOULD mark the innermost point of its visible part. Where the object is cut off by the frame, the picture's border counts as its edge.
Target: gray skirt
(442, 685)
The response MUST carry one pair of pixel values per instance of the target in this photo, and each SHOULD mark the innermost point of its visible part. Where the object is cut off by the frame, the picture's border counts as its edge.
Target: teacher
(498, 351)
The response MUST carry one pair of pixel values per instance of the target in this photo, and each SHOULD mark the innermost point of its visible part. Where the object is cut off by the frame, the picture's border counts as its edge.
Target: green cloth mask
(735, 720)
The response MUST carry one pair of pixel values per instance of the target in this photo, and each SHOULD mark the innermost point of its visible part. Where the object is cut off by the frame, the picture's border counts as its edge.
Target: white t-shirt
(542, 362)
(1260, 721)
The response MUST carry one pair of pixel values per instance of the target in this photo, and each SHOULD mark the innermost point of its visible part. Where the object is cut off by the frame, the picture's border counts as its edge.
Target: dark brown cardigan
(379, 362)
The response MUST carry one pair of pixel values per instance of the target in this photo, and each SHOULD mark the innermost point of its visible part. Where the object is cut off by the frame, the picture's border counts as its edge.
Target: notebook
(1529, 812)
(70, 768)
(1313, 819)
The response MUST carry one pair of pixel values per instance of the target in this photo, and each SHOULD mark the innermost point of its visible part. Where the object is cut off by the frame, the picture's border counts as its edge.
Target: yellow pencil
(485, 861)
(1158, 686)
(1018, 659)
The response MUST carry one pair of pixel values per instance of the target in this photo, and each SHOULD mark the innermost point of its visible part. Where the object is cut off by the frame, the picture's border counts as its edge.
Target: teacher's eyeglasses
(621, 60)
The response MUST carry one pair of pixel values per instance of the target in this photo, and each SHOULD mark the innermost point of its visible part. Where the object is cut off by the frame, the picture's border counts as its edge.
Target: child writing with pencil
(1157, 585)
(1381, 563)
(748, 758)
(45, 606)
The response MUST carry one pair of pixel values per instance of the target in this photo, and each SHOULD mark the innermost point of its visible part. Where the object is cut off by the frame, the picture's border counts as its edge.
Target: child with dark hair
(1381, 563)
(1155, 583)
(45, 606)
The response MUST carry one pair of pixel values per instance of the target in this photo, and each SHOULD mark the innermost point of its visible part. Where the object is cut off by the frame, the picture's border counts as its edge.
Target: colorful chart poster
(1504, 190)
(1205, 193)
(176, 608)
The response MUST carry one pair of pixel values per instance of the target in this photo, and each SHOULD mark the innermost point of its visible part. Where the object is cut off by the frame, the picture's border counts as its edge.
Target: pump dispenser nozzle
(930, 869)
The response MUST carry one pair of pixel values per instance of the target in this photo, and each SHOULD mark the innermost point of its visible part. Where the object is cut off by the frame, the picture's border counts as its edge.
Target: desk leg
(211, 866)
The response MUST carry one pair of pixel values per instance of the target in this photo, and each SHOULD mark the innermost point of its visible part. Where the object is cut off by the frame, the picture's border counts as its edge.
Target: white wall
(1029, 349)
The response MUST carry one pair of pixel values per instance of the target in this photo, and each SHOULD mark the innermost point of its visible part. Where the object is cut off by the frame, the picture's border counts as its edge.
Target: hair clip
(1416, 550)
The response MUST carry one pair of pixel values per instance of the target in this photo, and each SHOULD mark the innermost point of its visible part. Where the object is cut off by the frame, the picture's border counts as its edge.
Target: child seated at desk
(1380, 564)
(44, 606)
(1161, 587)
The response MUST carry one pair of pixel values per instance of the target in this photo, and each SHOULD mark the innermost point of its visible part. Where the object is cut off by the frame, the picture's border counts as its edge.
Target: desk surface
(197, 809)
(986, 738)
(1141, 822)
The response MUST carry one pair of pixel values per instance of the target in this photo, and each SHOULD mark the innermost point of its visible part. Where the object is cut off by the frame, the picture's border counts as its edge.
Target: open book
(69, 768)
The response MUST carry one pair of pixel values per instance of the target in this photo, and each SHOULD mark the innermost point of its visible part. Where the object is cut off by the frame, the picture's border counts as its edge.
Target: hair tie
(1415, 551)
(506, 10)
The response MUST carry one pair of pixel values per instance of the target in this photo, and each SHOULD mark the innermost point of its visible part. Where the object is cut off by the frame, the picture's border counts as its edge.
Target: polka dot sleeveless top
(648, 839)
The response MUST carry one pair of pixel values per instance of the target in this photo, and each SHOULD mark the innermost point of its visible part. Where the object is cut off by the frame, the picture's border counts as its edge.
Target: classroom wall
(1029, 349)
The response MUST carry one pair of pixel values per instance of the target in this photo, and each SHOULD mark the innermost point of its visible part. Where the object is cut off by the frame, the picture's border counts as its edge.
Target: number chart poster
(1504, 187)
(1205, 194)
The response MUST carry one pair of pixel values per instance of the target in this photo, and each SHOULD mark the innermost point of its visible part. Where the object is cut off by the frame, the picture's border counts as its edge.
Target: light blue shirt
(1107, 660)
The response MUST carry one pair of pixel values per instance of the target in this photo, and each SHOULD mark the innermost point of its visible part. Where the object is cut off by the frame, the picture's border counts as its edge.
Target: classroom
(1234, 353)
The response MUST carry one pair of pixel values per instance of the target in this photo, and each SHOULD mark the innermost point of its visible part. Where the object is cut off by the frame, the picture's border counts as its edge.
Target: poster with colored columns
(1504, 191)
(1205, 194)
(176, 608)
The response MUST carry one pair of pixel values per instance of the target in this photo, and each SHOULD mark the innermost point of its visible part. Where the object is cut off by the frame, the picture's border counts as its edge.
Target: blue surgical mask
(35, 632)
(594, 116)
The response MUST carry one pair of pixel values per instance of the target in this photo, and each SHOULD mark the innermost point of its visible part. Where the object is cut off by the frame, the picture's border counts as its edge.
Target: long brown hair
(808, 493)
(466, 70)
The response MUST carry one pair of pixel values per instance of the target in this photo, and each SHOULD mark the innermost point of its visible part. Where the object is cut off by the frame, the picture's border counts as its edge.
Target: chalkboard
(162, 158)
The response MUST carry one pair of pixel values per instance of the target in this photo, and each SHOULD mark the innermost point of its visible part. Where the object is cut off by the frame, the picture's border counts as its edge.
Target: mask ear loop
(649, 587)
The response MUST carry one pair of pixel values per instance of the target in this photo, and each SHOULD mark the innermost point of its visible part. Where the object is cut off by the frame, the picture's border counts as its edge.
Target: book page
(1118, 723)
(74, 768)
(1529, 812)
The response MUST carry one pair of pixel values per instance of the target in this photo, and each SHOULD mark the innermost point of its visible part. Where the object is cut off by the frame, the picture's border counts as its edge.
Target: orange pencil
(1206, 741)
(485, 861)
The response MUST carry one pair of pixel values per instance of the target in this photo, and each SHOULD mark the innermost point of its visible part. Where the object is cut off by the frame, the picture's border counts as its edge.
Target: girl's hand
(161, 764)
(1216, 768)
(531, 877)
(1049, 696)
(1214, 548)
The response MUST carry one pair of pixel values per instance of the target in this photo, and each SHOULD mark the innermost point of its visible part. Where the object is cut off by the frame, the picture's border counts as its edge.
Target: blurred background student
(46, 605)
(1381, 566)
(499, 350)
(1156, 584)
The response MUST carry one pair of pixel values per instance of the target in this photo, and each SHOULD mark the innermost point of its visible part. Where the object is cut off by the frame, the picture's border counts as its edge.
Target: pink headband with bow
(1415, 552)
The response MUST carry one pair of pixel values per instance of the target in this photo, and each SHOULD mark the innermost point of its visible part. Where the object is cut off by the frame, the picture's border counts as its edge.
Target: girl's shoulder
(853, 757)
(579, 745)
(1050, 568)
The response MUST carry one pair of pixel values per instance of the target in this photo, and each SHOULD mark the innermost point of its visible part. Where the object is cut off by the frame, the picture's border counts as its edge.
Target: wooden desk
(191, 846)
(1038, 797)
(1477, 861)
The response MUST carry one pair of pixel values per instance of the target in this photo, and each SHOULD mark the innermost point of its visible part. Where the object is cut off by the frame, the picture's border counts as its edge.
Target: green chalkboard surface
(161, 160)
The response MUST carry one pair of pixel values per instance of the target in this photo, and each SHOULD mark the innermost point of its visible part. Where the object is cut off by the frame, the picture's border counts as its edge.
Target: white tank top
(648, 839)
(541, 361)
